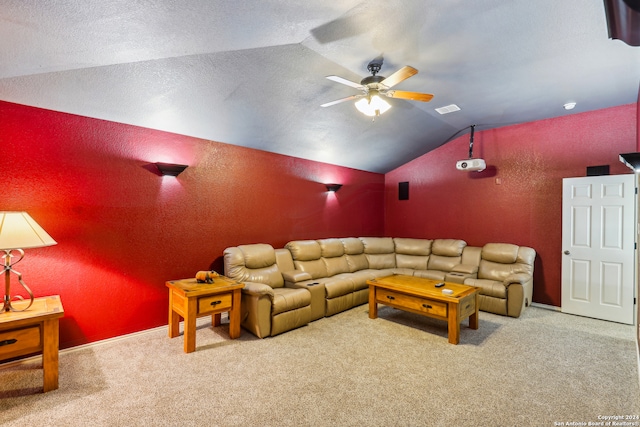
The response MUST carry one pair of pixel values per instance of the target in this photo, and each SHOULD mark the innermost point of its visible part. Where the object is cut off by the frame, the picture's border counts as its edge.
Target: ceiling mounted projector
(471, 165)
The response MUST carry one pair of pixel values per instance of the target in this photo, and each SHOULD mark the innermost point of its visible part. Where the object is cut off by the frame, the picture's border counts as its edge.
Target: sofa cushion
(412, 253)
(354, 250)
(487, 287)
(330, 248)
(261, 257)
(448, 247)
(304, 250)
(307, 257)
(317, 268)
(412, 246)
(352, 246)
(430, 274)
(504, 253)
(445, 254)
(380, 252)
(378, 245)
(336, 265)
(338, 286)
(286, 299)
(381, 261)
(442, 263)
(500, 260)
(526, 255)
(412, 261)
(335, 260)
(357, 262)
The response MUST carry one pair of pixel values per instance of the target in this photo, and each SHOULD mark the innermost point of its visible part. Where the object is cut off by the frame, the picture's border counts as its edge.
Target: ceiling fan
(373, 86)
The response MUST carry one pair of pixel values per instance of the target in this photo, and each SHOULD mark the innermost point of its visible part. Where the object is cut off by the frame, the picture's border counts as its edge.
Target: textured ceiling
(252, 73)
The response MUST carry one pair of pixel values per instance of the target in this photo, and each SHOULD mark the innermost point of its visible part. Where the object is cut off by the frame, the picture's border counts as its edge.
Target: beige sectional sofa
(309, 279)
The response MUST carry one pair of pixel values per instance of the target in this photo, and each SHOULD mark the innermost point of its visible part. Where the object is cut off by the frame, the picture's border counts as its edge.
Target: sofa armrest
(465, 269)
(295, 276)
(318, 293)
(521, 278)
(257, 289)
(460, 272)
(519, 293)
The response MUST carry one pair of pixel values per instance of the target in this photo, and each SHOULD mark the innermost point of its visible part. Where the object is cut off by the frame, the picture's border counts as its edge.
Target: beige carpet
(347, 370)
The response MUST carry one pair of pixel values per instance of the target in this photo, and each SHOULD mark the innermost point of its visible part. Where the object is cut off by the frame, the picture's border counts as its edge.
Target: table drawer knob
(214, 303)
(390, 297)
(426, 306)
(8, 342)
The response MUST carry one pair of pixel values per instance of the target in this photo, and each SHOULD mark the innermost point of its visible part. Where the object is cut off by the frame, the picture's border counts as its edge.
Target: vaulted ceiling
(252, 73)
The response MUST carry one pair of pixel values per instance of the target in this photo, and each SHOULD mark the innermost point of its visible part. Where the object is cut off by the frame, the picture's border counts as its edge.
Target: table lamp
(19, 231)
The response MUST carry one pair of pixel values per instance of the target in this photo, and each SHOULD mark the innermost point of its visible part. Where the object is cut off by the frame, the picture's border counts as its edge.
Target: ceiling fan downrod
(374, 68)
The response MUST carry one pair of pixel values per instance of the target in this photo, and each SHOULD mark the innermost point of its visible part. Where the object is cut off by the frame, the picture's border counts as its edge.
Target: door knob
(567, 253)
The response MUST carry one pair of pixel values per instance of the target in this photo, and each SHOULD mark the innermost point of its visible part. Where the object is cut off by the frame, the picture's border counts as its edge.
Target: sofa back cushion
(253, 263)
(354, 253)
(307, 256)
(380, 252)
(500, 260)
(412, 253)
(332, 251)
(445, 254)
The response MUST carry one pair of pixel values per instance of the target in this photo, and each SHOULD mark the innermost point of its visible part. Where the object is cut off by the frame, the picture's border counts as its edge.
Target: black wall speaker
(597, 170)
(403, 191)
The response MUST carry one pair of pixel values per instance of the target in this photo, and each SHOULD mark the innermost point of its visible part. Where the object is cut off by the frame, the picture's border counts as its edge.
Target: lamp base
(7, 281)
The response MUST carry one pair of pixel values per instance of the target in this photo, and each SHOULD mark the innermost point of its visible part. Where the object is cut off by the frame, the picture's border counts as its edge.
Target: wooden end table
(420, 295)
(189, 299)
(33, 331)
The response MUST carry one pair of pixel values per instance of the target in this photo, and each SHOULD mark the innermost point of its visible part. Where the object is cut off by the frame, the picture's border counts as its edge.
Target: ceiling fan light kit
(372, 105)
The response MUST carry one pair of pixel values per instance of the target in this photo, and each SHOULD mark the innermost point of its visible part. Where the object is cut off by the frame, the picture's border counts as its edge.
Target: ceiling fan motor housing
(372, 82)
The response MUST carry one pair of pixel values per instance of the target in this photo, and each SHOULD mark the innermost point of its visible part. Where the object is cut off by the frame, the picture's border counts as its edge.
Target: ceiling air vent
(448, 109)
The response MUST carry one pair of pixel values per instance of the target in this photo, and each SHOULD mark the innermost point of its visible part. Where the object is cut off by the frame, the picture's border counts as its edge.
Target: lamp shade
(19, 231)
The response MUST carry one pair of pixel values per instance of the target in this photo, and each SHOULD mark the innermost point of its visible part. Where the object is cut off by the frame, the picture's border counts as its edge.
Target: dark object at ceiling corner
(623, 20)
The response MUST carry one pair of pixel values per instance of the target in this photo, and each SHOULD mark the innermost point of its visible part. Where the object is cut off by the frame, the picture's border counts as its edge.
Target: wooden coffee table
(189, 299)
(419, 295)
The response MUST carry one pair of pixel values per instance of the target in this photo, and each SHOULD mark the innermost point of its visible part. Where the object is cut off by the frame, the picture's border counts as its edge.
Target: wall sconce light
(170, 169)
(632, 160)
(333, 187)
(18, 231)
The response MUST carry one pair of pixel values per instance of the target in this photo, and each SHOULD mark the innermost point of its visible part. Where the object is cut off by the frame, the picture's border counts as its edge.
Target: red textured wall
(518, 198)
(122, 230)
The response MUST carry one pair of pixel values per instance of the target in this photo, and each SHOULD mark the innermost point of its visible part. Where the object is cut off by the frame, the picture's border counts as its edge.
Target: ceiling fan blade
(345, 82)
(338, 101)
(412, 96)
(400, 75)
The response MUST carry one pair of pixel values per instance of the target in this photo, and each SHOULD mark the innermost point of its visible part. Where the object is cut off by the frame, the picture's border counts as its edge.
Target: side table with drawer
(189, 299)
(34, 330)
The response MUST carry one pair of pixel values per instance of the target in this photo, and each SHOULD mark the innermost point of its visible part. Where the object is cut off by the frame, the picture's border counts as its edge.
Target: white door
(598, 244)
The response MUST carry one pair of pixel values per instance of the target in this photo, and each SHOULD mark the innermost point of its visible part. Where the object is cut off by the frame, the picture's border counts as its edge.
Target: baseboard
(546, 306)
